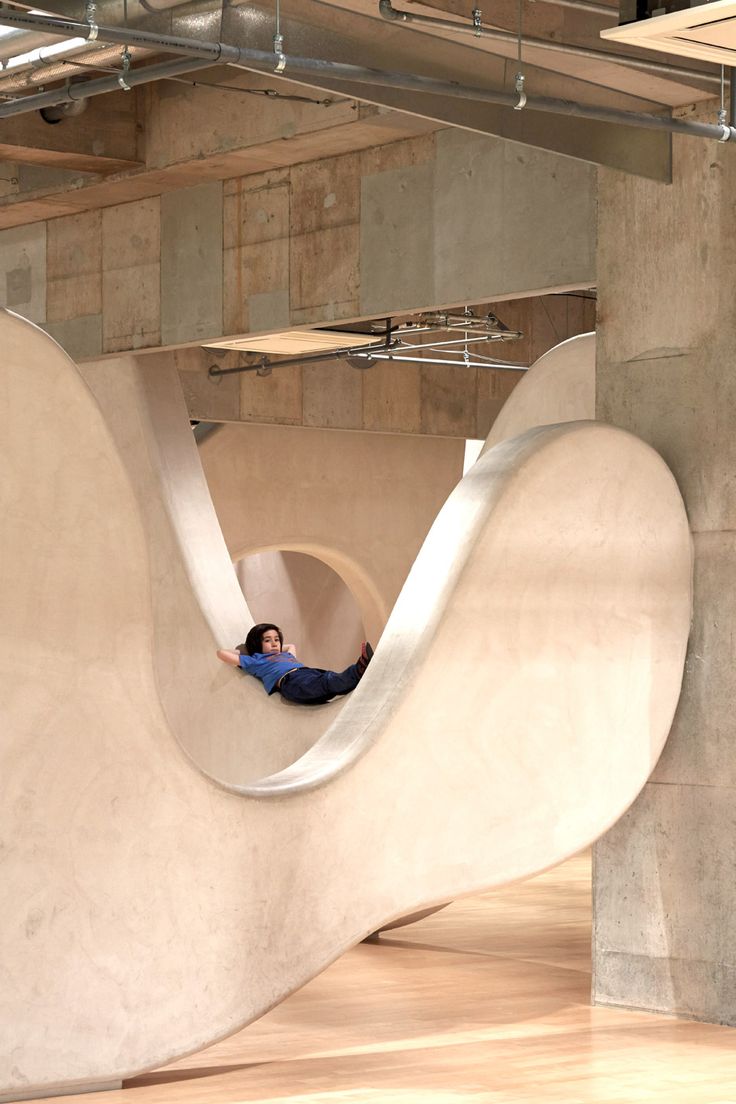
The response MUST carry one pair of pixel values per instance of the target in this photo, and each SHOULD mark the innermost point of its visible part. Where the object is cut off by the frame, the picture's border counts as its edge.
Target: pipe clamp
(519, 86)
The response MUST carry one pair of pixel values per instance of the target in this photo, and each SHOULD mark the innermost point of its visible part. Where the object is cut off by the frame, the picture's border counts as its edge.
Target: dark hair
(254, 639)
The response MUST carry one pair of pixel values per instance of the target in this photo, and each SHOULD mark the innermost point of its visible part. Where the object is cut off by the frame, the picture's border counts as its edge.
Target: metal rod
(364, 354)
(470, 340)
(585, 6)
(449, 363)
(732, 95)
(395, 15)
(83, 91)
(259, 61)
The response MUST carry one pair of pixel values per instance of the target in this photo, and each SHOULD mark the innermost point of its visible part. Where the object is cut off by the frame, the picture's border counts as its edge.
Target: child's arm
(232, 658)
(290, 648)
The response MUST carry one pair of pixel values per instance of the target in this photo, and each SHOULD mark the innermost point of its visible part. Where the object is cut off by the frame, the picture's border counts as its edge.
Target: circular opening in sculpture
(308, 600)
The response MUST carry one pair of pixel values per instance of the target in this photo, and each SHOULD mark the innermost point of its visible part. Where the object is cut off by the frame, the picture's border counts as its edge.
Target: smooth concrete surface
(83, 334)
(196, 591)
(360, 502)
(310, 601)
(559, 387)
(518, 216)
(23, 270)
(665, 372)
(191, 243)
(463, 217)
(516, 704)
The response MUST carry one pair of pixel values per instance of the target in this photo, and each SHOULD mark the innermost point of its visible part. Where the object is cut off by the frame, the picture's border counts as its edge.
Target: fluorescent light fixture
(298, 342)
(707, 32)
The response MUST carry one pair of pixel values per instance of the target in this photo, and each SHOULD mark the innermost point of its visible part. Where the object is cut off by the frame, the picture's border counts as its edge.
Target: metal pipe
(257, 60)
(448, 363)
(63, 48)
(22, 42)
(264, 366)
(126, 36)
(73, 28)
(510, 335)
(584, 5)
(84, 90)
(732, 95)
(260, 61)
(58, 68)
(108, 11)
(394, 15)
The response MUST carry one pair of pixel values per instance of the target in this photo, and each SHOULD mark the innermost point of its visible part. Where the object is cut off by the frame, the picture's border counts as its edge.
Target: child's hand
(290, 648)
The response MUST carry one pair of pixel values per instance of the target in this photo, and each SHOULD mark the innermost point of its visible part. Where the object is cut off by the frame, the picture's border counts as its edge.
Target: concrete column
(664, 882)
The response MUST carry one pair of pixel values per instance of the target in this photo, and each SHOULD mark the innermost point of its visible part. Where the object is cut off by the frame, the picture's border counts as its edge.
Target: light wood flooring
(485, 1001)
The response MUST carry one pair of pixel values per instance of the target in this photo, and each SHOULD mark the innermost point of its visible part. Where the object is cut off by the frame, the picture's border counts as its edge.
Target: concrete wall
(665, 876)
(441, 219)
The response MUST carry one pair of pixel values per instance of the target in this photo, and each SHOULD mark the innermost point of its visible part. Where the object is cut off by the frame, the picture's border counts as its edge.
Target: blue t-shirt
(269, 668)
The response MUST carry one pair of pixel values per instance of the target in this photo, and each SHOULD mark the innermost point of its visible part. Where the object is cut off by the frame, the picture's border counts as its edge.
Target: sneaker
(366, 655)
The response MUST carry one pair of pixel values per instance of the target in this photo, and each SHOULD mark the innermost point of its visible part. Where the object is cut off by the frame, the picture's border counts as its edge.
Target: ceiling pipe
(585, 6)
(23, 77)
(126, 36)
(493, 34)
(21, 42)
(139, 9)
(133, 13)
(260, 61)
(86, 89)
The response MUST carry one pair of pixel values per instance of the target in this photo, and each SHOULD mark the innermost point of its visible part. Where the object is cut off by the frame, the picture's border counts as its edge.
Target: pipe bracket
(125, 58)
(727, 133)
(519, 86)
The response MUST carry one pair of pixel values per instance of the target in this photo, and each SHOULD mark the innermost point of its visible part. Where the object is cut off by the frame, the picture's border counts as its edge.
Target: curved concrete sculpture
(522, 692)
(559, 387)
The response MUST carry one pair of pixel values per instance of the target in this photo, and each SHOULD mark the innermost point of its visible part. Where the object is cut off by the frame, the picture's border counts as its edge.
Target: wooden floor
(487, 1000)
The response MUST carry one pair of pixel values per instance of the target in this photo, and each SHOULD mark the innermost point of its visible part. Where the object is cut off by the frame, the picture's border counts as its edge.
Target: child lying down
(264, 656)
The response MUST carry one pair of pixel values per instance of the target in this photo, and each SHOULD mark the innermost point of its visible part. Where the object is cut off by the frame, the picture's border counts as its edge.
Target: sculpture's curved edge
(197, 604)
(558, 387)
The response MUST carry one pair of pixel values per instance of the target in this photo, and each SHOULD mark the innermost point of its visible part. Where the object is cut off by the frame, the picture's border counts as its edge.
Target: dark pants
(313, 686)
